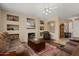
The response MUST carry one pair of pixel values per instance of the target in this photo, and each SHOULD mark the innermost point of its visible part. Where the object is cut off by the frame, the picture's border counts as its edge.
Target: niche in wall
(51, 26)
(31, 35)
(12, 27)
(12, 18)
(30, 23)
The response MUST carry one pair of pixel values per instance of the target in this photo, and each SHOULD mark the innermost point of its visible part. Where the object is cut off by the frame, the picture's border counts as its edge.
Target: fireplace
(31, 35)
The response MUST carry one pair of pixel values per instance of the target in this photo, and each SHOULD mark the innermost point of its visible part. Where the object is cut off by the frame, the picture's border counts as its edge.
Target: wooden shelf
(42, 28)
(12, 18)
(13, 32)
(12, 27)
(14, 36)
(13, 22)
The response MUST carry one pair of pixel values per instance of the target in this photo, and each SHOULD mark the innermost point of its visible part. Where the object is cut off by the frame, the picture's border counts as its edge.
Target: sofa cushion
(76, 51)
(75, 39)
(17, 46)
(8, 54)
(73, 43)
(62, 53)
(69, 48)
(4, 43)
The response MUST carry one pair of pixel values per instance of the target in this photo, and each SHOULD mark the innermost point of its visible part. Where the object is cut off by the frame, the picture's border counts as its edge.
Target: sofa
(70, 49)
(15, 46)
(75, 52)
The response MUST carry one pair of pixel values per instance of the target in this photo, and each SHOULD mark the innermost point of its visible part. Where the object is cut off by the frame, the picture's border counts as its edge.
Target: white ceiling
(64, 10)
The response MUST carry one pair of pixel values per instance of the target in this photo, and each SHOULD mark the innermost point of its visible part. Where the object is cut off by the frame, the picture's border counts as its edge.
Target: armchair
(46, 35)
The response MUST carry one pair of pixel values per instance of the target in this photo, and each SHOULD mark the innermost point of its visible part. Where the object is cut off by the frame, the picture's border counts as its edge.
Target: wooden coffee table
(38, 45)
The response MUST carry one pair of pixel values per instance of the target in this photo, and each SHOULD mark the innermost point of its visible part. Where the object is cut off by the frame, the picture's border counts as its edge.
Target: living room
(39, 29)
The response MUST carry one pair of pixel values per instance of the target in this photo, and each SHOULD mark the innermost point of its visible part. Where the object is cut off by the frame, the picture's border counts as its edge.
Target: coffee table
(36, 45)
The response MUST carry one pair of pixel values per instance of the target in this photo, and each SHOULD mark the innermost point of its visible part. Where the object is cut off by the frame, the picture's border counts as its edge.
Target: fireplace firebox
(31, 35)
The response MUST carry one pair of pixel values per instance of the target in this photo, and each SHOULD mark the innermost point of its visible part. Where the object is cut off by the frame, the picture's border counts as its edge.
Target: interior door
(61, 30)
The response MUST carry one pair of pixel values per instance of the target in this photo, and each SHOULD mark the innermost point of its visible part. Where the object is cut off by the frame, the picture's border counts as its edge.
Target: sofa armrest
(13, 53)
(67, 48)
(73, 43)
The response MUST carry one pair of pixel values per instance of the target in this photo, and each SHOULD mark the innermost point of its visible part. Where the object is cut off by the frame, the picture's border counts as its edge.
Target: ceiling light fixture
(47, 10)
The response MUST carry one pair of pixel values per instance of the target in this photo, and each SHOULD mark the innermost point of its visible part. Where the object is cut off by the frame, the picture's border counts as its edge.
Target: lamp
(35, 39)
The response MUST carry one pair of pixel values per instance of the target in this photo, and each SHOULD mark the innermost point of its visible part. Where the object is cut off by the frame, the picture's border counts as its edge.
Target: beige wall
(23, 31)
(75, 28)
(57, 30)
(0, 19)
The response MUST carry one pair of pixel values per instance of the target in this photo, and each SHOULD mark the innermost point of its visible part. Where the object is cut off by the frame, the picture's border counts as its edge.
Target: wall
(56, 19)
(76, 28)
(0, 19)
(23, 31)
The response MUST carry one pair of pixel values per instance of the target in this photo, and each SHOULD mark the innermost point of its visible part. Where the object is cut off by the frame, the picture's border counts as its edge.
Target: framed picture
(30, 23)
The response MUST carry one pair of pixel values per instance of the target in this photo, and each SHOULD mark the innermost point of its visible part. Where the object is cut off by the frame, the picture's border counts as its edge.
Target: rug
(48, 51)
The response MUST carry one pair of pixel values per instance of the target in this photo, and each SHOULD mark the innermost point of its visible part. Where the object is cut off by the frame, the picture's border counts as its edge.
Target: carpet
(48, 51)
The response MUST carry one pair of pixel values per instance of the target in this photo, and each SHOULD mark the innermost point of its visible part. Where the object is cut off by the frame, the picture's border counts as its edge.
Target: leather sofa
(75, 52)
(18, 48)
(71, 48)
(6, 45)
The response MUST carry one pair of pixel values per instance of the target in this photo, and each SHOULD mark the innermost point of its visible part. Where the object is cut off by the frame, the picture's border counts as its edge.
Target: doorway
(61, 30)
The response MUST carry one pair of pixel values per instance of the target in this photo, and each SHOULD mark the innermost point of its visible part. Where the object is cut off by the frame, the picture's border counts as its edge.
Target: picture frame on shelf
(42, 22)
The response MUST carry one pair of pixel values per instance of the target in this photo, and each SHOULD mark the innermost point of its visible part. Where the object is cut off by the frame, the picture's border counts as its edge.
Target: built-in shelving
(13, 26)
(13, 22)
(12, 17)
(14, 36)
(42, 28)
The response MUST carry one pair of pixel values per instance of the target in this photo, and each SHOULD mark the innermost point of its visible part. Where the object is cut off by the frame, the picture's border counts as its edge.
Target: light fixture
(48, 10)
(46, 13)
